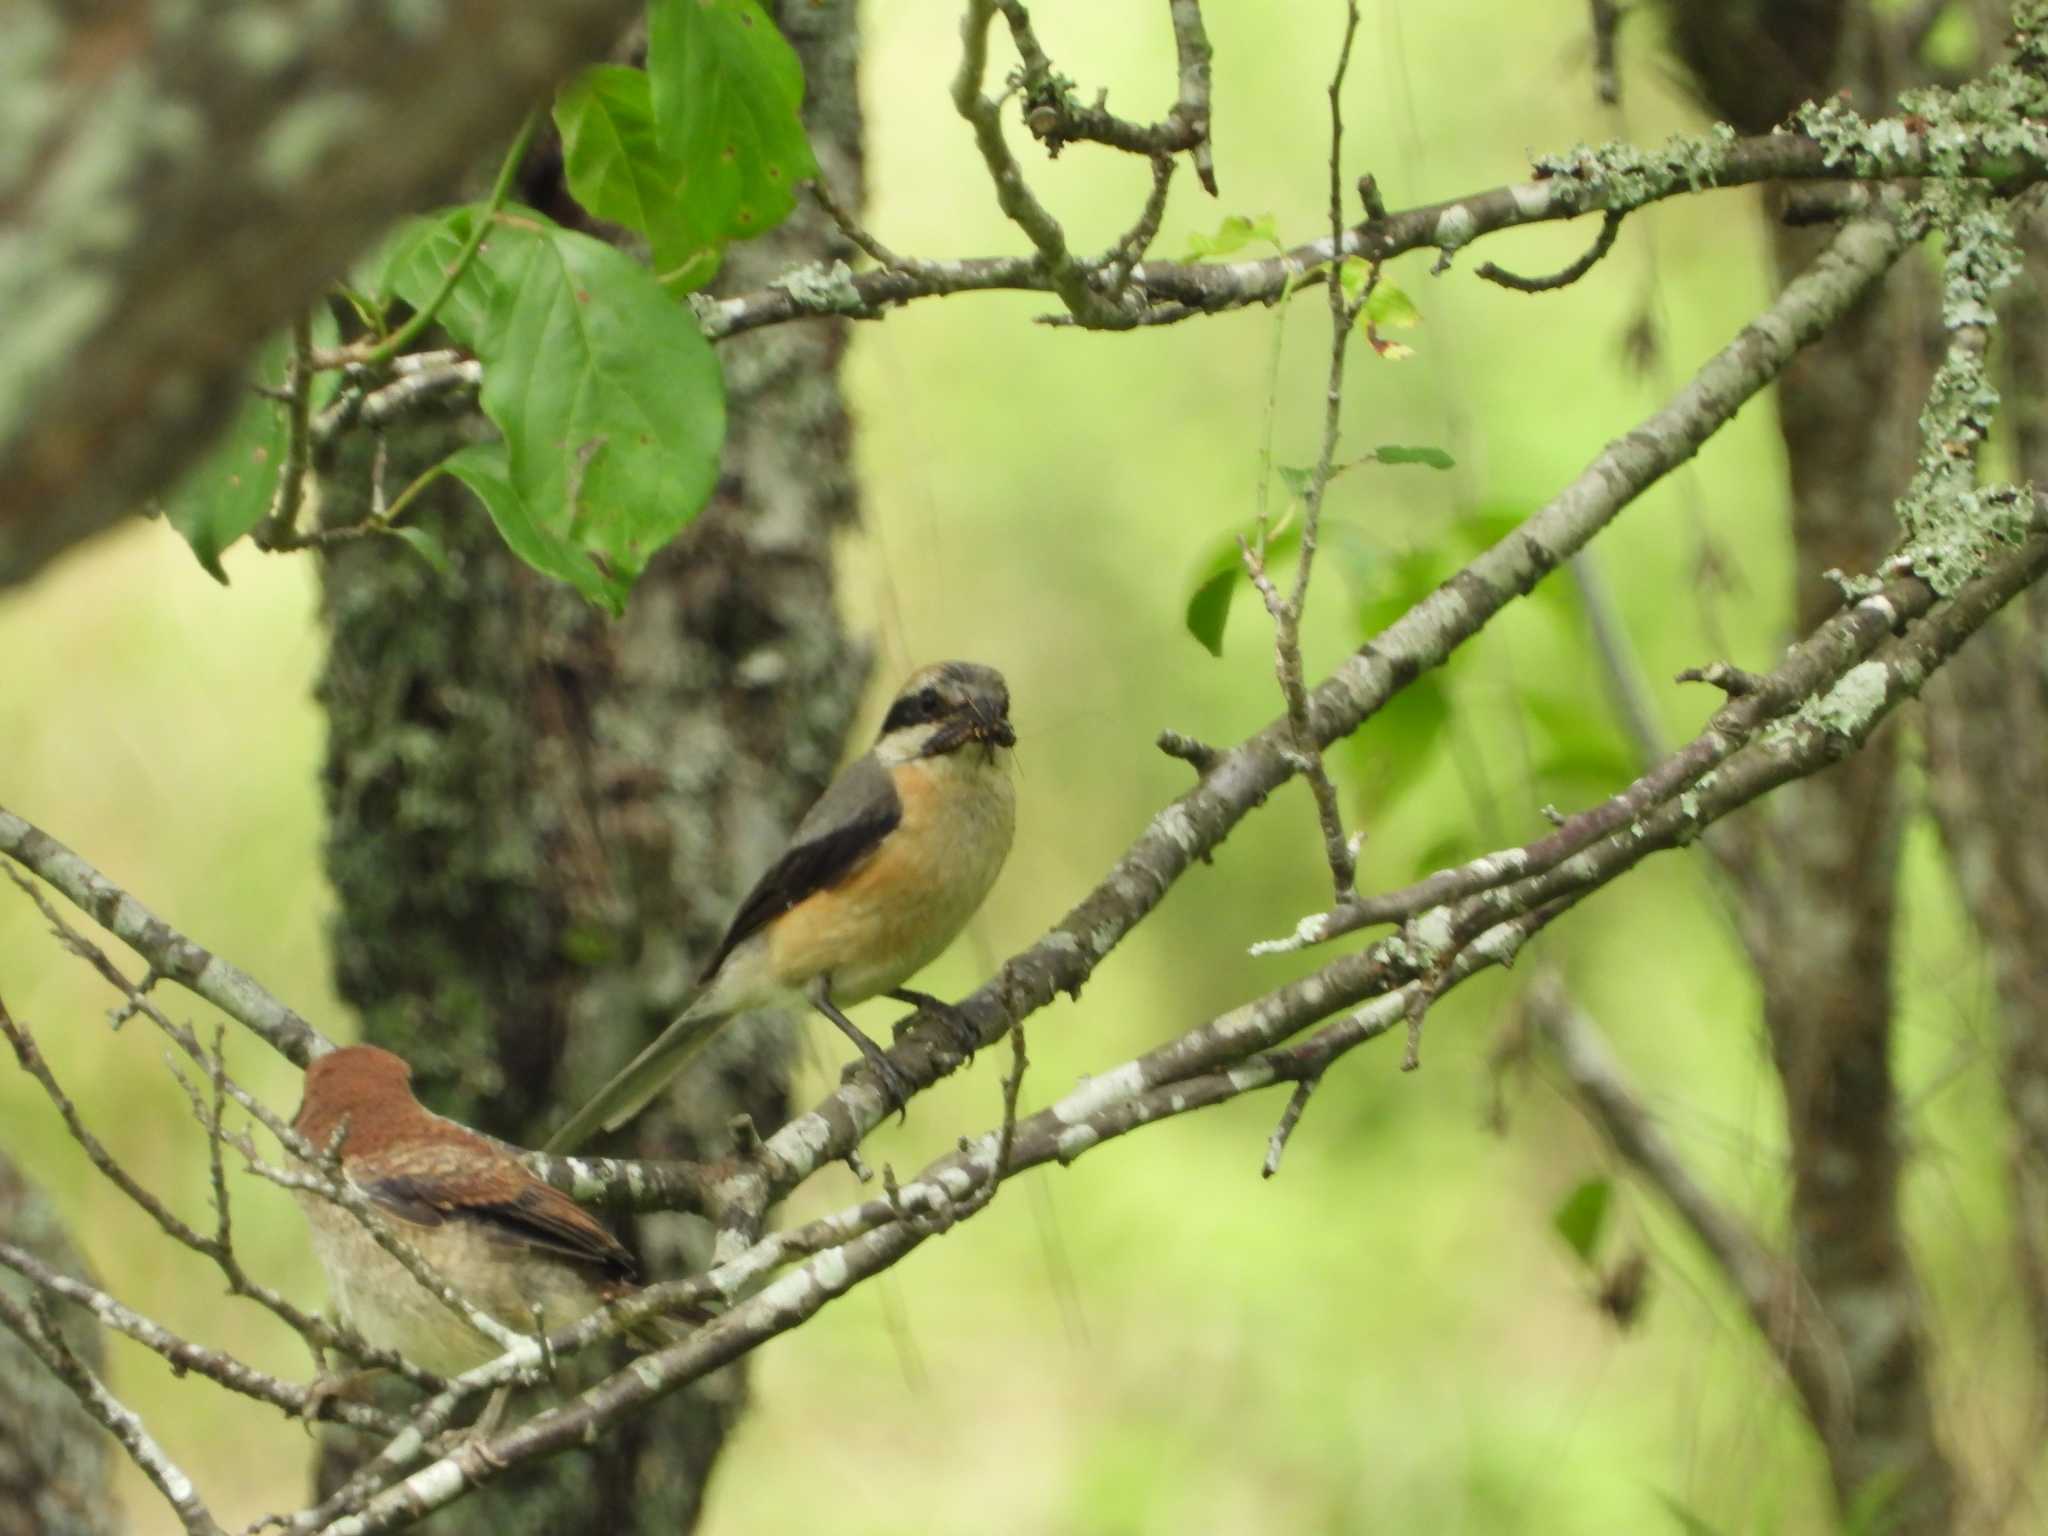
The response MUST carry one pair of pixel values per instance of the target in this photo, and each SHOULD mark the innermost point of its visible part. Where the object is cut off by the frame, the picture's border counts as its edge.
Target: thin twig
(480, 227)
(1287, 613)
(1610, 227)
(1731, 680)
(1056, 119)
(280, 529)
(31, 1322)
(183, 1355)
(1067, 275)
(1276, 1144)
(314, 1329)
(855, 231)
(1606, 73)
(1131, 246)
(1199, 755)
(170, 954)
(1620, 668)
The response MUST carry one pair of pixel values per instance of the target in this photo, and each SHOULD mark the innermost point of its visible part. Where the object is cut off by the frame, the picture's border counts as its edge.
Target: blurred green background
(1389, 1336)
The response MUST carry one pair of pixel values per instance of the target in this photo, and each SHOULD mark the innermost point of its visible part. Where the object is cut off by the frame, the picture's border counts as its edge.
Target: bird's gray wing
(838, 835)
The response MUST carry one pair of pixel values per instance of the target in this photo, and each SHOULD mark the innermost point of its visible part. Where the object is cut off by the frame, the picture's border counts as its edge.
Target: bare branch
(1056, 119)
(315, 1329)
(1337, 848)
(183, 1355)
(1610, 227)
(1276, 1144)
(1066, 275)
(1772, 1290)
(31, 1322)
(169, 953)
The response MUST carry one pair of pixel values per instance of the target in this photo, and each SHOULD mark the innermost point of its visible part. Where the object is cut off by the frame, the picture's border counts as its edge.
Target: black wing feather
(858, 811)
(529, 1218)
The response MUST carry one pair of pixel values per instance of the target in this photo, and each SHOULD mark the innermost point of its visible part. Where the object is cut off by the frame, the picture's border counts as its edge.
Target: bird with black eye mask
(878, 878)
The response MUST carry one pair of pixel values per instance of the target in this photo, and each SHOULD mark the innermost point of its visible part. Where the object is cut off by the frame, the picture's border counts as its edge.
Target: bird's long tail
(642, 1078)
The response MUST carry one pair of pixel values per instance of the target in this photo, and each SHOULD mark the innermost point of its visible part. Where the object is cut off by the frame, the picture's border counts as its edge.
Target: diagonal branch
(170, 953)
(1777, 1297)
(183, 1355)
(1240, 778)
(32, 1324)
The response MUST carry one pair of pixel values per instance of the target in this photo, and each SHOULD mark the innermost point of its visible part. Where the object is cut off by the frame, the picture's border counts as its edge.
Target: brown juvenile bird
(505, 1241)
(878, 878)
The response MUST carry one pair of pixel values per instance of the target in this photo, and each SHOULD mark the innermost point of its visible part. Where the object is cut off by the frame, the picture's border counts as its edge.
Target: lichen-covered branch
(1064, 273)
(1057, 119)
(171, 955)
(1568, 187)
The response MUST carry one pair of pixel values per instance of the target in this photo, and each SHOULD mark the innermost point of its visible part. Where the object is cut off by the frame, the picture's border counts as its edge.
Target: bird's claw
(896, 1088)
(965, 1038)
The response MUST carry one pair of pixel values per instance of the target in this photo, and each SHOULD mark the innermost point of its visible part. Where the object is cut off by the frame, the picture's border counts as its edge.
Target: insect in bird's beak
(994, 730)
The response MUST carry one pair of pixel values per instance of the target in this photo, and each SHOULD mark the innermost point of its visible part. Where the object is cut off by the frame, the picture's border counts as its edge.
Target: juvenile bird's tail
(642, 1078)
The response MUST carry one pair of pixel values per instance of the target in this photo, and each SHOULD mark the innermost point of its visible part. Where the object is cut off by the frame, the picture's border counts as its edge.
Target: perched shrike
(878, 879)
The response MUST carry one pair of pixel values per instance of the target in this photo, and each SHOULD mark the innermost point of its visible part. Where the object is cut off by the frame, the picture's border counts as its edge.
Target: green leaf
(231, 490)
(1209, 609)
(728, 94)
(1435, 458)
(426, 546)
(1688, 1522)
(1234, 234)
(618, 170)
(484, 468)
(1581, 1214)
(1216, 581)
(607, 395)
(420, 255)
(1390, 308)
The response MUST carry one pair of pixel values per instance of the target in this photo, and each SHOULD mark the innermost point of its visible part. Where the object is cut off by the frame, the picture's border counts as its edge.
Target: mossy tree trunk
(539, 817)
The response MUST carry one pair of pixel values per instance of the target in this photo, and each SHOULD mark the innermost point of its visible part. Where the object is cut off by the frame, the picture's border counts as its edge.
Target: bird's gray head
(945, 706)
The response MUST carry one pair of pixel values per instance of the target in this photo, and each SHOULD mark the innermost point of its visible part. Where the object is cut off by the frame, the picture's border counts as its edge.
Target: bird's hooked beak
(991, 726)
(982, 722)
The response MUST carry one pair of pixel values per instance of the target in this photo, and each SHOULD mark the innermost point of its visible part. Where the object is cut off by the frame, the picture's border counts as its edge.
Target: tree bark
(540, 818)
(1817, 872)
(56, 1462)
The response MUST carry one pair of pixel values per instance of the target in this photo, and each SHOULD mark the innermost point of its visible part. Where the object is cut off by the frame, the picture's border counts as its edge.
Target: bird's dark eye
(928, 701)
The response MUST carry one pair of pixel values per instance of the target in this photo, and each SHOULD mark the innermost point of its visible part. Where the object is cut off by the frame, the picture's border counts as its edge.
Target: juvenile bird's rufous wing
(429, 1184)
